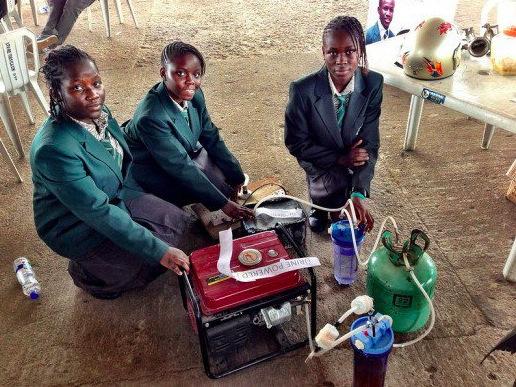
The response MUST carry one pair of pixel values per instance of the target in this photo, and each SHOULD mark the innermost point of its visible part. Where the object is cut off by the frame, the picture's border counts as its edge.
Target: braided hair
(56, 62)
(176, 49)
(353, 28)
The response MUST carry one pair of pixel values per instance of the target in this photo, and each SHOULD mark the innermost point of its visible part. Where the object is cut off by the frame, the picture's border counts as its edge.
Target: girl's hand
(364, 217)
(175, 260)
(356, 157)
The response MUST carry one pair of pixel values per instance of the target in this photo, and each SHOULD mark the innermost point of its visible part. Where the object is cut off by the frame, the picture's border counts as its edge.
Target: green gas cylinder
(390, 285)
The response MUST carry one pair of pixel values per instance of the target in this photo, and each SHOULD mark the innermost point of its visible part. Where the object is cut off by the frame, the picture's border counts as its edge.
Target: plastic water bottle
(26, 278)
(345, 263)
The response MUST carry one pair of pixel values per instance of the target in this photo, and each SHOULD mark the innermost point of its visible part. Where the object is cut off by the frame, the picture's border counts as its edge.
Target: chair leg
(8, 23)
(118, 7)
(3, 26)
(10, 162)
(10, 124)
(34, 11)
(129, 3)
(33, 84)
(17, 18)
(105, 14)
(25, 100)
(18, 5)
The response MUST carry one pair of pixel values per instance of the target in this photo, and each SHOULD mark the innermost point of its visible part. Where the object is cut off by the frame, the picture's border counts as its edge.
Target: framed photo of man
(387, 18)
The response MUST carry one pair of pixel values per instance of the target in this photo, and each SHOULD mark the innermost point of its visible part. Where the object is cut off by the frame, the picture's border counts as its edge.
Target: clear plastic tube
(432, 310)
(336, 342)
(352, 220)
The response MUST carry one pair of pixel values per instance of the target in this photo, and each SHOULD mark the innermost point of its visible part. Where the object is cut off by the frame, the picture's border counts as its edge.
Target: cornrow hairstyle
(56, 62)
(176, 49)
(352, 26)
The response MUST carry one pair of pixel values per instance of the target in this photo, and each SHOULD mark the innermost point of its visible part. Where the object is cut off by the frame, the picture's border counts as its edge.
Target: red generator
(244, 323)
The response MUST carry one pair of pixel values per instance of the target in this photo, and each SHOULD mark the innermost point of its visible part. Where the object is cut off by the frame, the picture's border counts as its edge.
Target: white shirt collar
(101, 123)
(181, 108)
(348, 89)
(382, 29)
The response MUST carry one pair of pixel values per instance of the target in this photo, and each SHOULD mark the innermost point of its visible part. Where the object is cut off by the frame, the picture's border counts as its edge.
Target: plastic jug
(503, 51)
(503, 45)
(505, 14)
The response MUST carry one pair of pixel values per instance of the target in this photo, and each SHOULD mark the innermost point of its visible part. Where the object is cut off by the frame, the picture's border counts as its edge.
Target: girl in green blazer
(179, 155)
(82, 208)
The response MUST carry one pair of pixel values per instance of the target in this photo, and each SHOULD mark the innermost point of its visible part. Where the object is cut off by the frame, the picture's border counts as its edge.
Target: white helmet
(435, 52)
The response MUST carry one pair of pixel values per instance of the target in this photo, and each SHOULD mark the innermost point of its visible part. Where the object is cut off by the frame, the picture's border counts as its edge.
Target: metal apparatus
(479, 46)
(240, 324)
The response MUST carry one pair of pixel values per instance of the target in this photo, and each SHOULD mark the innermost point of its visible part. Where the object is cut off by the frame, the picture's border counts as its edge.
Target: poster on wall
(388, 18)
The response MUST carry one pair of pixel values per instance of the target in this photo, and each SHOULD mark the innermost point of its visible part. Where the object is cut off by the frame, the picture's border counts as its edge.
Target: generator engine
(240, 324)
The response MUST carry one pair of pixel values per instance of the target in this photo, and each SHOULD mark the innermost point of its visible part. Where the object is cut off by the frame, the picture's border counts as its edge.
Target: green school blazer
(79, 191)
(163, 145)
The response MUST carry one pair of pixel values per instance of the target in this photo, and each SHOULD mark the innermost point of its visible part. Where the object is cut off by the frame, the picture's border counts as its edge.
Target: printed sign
(433, 96)
(272, 270)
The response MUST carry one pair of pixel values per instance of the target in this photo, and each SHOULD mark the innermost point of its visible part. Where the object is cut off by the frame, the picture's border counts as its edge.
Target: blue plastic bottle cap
(34, 295)
(341, 232)
(378, 345)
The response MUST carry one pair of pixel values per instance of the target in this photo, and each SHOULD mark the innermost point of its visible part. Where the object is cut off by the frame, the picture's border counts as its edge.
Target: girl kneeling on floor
(178, 152)
(116, 237)
(332, 124)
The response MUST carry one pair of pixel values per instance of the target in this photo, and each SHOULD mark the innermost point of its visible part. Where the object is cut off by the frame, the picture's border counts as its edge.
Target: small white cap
(359, 344)
(326, 336)
(362, 304)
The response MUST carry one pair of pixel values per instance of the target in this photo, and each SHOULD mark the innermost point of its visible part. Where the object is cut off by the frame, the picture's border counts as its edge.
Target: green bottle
(390, 285)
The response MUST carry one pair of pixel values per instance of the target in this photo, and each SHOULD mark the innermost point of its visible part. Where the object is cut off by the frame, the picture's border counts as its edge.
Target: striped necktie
(184, 113)
(341, 108)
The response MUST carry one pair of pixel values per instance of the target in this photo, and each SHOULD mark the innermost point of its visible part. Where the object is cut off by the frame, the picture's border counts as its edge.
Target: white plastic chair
(16, 77)
(12, 12)
(33, 9)
(105, 14)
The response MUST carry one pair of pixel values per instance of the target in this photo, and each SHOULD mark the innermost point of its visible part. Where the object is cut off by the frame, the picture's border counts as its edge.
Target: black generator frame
(309, 288)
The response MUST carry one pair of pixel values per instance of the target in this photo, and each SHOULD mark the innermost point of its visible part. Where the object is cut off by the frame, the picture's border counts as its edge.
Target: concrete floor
(448, 187)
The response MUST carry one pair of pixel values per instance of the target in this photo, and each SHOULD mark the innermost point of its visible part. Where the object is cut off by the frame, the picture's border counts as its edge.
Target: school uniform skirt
(109, 270)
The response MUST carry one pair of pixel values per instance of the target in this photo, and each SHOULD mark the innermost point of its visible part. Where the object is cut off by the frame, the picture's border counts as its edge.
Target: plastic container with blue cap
(345, 262)
(26, 278)
(371, 349)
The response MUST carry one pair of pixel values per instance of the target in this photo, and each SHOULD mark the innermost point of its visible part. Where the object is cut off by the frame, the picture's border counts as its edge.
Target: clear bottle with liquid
(503, 51)
(345, 263)
(26, 278)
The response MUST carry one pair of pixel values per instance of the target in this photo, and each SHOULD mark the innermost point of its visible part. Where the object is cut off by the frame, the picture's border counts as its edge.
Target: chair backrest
(14, 71)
